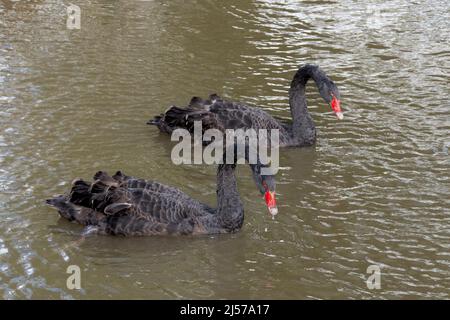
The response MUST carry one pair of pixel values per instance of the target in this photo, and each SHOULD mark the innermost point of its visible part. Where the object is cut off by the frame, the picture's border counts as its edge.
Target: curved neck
(303, 128)
(230, 210)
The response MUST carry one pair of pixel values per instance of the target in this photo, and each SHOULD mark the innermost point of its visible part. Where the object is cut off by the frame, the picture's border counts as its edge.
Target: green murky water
(374, 190)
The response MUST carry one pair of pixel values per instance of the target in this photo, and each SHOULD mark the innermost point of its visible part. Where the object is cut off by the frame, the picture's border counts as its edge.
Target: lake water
(374, 190)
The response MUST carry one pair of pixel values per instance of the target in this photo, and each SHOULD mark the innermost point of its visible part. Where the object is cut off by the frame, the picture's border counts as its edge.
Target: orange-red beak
(271, 203)
(336, 106)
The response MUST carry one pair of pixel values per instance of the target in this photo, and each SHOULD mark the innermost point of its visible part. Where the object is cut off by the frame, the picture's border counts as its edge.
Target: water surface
(373, 190)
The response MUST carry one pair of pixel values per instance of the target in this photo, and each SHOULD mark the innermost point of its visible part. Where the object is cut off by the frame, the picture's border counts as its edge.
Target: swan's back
(216, 113)
(124, 205)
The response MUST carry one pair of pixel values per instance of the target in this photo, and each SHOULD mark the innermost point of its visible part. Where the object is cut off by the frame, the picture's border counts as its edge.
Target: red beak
(271, 203)
(336, 106)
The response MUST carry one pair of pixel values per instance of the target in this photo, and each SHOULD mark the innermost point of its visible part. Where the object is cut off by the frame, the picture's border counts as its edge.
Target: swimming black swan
(123, 205)
(218, 113)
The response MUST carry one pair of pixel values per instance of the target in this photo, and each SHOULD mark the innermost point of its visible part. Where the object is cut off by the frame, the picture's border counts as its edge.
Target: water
(373, 191)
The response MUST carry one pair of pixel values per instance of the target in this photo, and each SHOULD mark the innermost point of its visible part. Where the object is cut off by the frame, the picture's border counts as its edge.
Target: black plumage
(123, 205)
(217, 113)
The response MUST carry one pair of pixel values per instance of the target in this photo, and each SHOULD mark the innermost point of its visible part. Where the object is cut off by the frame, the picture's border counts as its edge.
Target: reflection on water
(374, 190)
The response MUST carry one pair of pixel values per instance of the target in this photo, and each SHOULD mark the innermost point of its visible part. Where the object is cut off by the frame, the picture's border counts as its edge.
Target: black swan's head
(266, 185)
(264, 182)
(330, 93)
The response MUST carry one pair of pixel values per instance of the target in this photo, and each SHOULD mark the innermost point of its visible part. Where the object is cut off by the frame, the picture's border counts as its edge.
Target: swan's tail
(66, 209)
(87, 203)
(184, 118)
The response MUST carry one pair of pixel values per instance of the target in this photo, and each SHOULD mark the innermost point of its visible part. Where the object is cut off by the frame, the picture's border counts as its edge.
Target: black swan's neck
(229, 206)
(303, 128)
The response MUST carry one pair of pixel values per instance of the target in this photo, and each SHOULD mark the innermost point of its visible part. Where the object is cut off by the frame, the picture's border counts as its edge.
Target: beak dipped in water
(336, 106)
(271, 203)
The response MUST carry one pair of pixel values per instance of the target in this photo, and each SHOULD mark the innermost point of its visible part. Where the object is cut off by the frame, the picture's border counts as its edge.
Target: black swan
(123, 205)
(218, 113)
